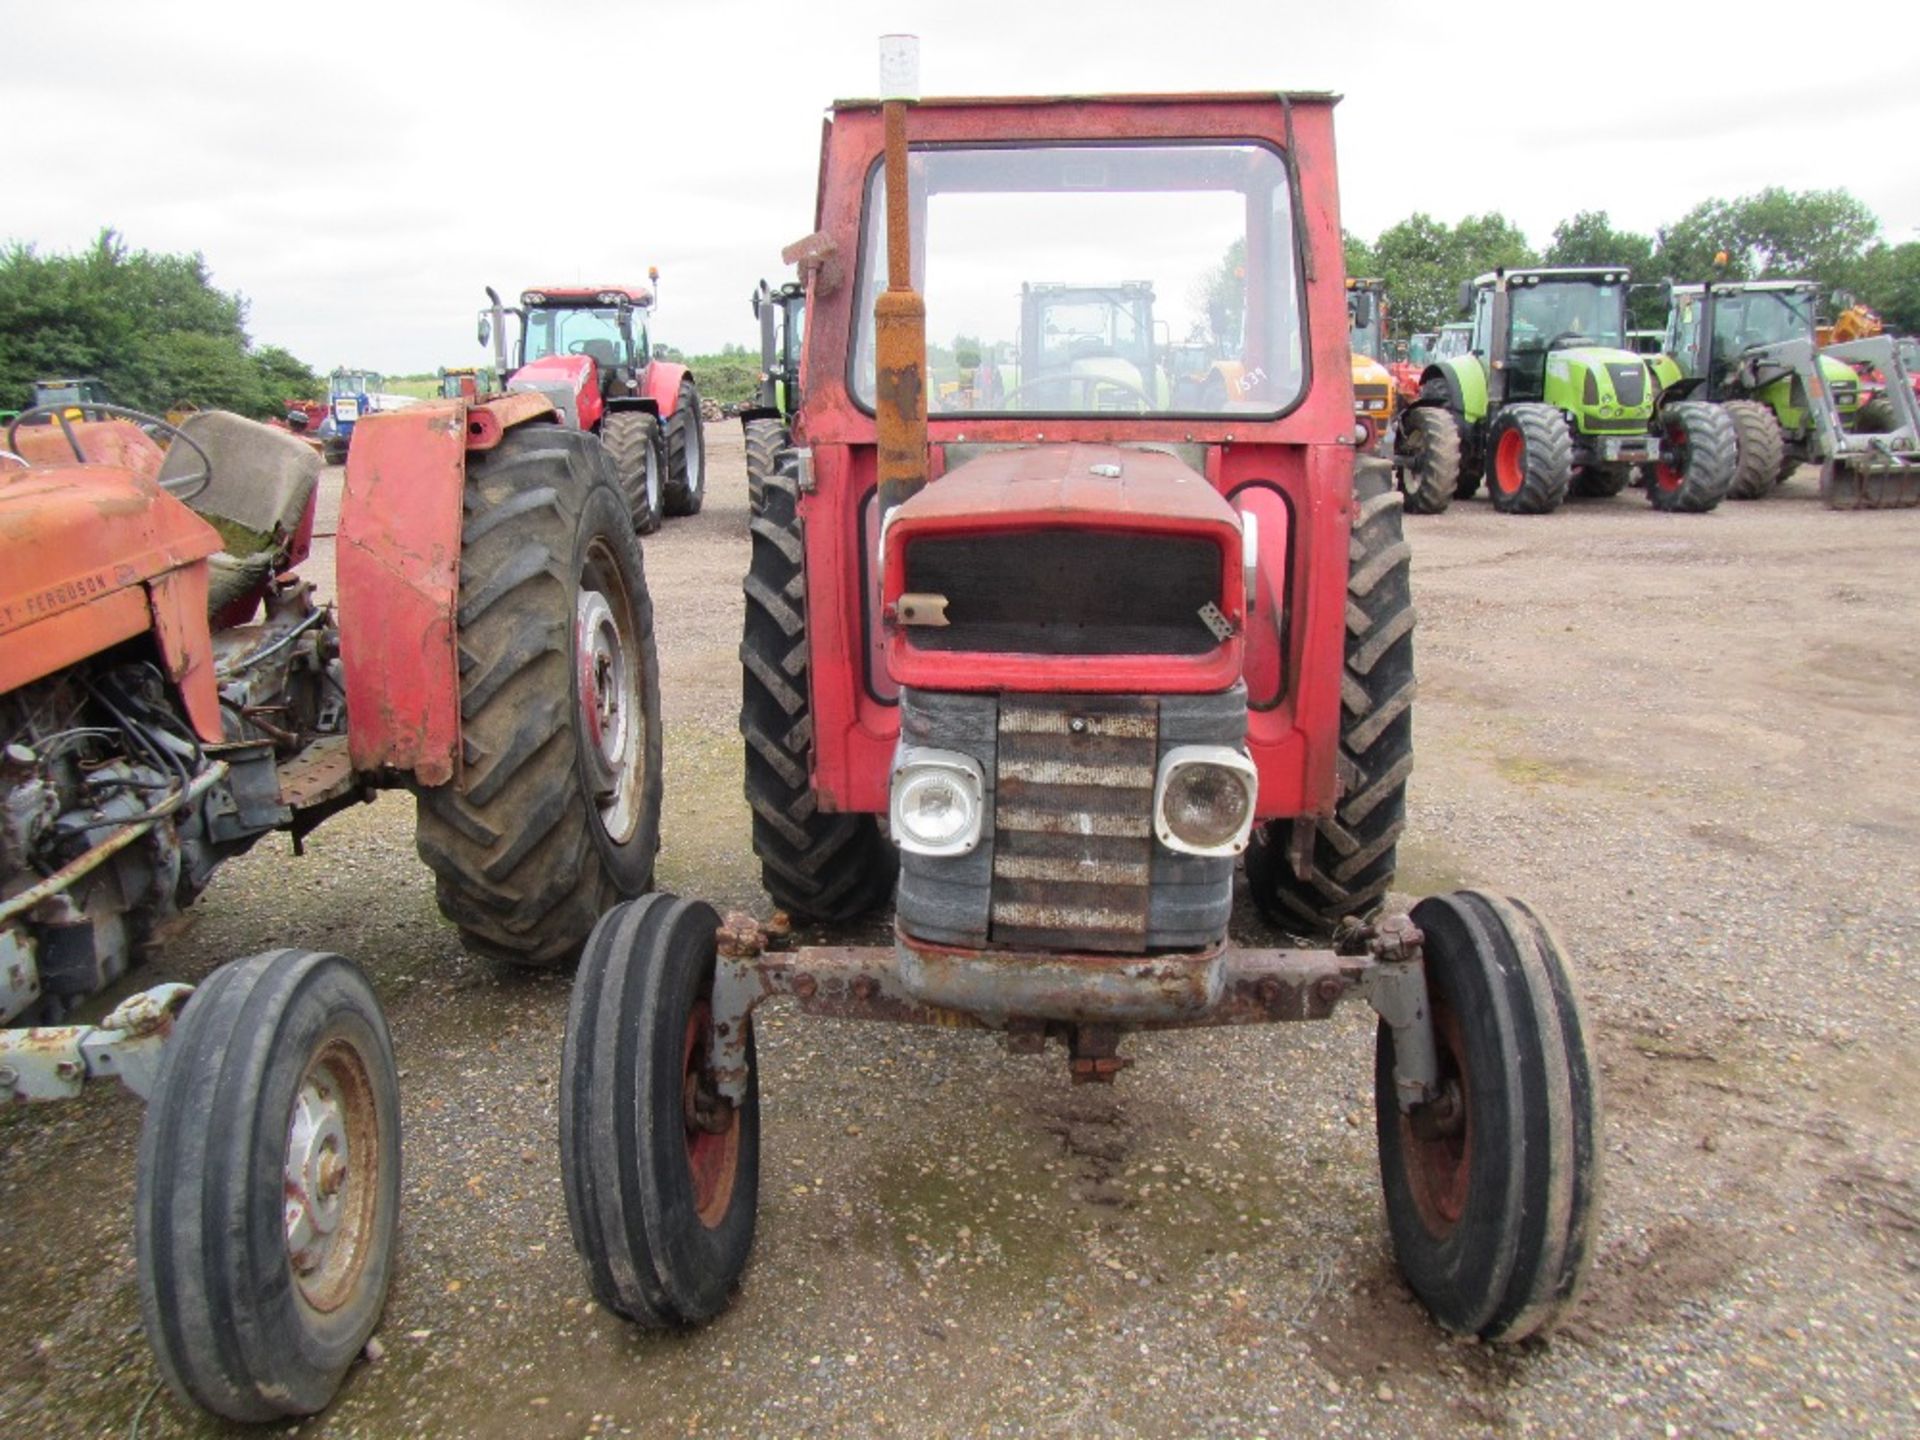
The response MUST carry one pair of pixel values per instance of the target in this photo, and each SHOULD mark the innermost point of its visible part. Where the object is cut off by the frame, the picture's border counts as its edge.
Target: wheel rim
(1671, 473)
(1438, 1145)
(653, 480)
(331, 1176)
(695, 471)
(609, 693)
(1510, 462)
(712, 1138)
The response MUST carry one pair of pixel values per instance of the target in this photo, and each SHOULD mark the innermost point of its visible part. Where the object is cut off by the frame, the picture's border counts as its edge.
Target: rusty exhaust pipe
(899, 314)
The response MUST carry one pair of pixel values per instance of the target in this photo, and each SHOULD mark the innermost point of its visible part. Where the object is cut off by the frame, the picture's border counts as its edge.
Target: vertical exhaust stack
(899, 314)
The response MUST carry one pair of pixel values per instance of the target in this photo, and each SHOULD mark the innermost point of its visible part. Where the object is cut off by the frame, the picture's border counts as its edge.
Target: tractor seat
(261, 482)
(601, 352)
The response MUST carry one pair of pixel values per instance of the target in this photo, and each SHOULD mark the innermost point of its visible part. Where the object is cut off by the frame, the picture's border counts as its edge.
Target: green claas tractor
(767, 421)
(1088, 347)
(1549, 401)
(1750, 346)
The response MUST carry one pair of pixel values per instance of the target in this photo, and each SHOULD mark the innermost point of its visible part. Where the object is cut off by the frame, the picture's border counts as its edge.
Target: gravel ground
(1691, 741)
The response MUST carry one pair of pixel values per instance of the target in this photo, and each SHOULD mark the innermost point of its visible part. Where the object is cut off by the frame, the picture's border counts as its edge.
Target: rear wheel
(633, 443)
(686, 455)
(1876, 417)
(555, 813)
(269, 1186)
(1530, 460)
(1354, 853)
(1698, 453)
(662, 1174)
(1491, 1188)
(766, 438)
(815, 864)
(1759, 449)
(1426, 462)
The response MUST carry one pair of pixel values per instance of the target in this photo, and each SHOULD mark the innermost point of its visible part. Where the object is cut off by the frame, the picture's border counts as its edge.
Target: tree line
(1825, 235)
(152, 327)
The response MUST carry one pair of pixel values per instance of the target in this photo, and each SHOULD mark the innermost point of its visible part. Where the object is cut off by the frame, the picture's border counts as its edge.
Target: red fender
(662, 386)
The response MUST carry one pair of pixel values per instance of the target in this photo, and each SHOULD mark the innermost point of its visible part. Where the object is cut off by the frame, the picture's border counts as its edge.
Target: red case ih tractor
(169, 694)
(1078, 659)
(586, 349)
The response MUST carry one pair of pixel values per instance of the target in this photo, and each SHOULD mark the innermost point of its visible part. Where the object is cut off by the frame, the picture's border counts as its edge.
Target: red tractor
(585, 348)
(170, 693)
(1040, 674)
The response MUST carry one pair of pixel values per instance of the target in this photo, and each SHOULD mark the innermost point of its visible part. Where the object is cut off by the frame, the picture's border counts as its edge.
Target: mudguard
(662, 386)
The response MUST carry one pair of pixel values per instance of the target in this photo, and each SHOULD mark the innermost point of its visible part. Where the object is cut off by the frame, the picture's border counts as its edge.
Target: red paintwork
(120, 443)
(587, 295)
(1302, 464)
(98, 554)
(1052, 487)
(1406, 378)
(398, 574)
(575, 373)
(661, 384)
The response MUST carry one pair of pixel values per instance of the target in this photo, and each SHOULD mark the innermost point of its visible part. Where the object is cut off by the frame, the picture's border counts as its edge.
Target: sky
(360, 172)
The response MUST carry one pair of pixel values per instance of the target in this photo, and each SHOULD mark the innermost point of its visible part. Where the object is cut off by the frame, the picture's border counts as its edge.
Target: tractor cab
(1091, 345)
(1455, 338)
(1522, 317)
(82, 390)
(582, 346)
(467, 382)
(1726, 336)
(782, 315)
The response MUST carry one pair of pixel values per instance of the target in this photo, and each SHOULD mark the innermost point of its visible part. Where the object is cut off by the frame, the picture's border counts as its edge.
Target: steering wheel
(1571, 337)
(181, 487)
(1095, 384)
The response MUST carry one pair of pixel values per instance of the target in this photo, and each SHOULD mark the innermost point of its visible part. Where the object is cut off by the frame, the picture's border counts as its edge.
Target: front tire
(555, 813)
(1355, 852)
(686, 454)
(632, 438)
(816, 864)
(1759, 449)
(661, 1175)
(1491, 1190)
(269, 1186)
(1530, 460)
(1698, 454)
(1427, 459)
(766, 437)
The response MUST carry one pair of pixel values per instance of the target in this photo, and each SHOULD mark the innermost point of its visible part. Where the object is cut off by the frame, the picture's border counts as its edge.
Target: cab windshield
(1364, 338)
(575, 330)
(1558, 312)
(1201, 234)
(353, 382)
(1759, 317)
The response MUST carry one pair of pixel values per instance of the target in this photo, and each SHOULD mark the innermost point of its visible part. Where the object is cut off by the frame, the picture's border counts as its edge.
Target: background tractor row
(1374, 391)
(170, 694)
(767, 421)
(586, 350)
(1547, 401)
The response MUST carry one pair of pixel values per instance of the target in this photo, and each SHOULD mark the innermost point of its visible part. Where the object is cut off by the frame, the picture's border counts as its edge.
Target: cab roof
(586, 295)
(1534, 274)
(1697, 287)
(1230, 97)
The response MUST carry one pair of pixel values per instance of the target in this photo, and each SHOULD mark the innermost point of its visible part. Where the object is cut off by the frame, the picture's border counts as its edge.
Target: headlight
(938, 799)
(1203, 800)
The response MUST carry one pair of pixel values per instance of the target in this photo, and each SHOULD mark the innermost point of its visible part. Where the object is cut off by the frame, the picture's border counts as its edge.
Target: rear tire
(1492, 1199)
(662, 1211)
(269, 1186)
(1529, 460)
(816, 864)
(1760, 449)
(686, 455)
(1698, 453)
(555, 813)
(633, 443)
(1354, 853)
(766, 438)
(1427, 459)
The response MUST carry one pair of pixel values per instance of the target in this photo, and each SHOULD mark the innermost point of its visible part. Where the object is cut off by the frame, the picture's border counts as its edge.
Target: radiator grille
(1073, 813)
(1629, 383)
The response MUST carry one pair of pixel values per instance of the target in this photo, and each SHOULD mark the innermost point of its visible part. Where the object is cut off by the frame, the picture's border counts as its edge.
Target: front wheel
(1491, 1188)
(1426, 461)
(555, 813)
(634, 445)
(1759, 449)
(1698, 456)
(661, 1173)
(686, 454)
(1530, 464)
(766, 437)
(269, 1186)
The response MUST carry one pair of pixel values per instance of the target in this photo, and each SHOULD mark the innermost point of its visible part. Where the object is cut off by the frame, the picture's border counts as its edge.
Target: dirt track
(1691, 741)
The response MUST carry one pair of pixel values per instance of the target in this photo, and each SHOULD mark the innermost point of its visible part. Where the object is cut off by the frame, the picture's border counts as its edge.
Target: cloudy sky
(360, 171)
